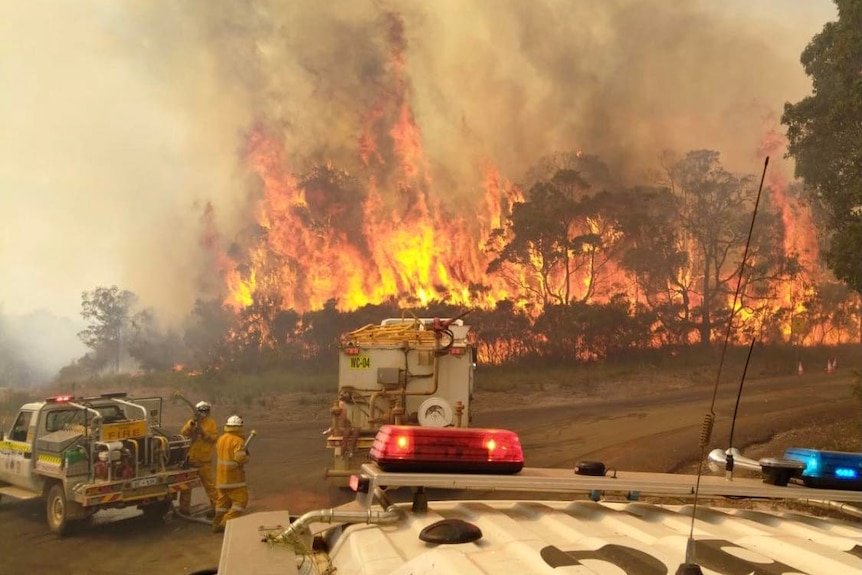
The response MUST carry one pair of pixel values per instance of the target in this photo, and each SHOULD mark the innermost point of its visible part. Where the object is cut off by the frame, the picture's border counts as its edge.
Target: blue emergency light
(829, 469)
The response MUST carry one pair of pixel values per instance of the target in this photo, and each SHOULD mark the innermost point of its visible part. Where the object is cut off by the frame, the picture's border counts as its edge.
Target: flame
(383, 232)
(240, 290)
(405, 245)
(799, 237)
(367, 237)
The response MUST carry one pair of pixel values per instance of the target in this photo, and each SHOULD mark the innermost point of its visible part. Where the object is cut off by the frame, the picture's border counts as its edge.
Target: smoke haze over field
(120, 121)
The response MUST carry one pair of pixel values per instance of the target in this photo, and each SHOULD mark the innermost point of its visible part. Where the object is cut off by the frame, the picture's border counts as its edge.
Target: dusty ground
(623, 427)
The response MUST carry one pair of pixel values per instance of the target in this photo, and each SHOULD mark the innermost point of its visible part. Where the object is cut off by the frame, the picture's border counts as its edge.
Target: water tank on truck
(402, 371)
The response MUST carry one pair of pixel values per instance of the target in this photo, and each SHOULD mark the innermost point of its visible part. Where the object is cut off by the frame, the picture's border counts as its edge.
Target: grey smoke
(119, 121)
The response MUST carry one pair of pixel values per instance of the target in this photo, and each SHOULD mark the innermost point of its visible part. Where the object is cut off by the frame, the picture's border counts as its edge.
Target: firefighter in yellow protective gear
(203, 431)
(231, 457)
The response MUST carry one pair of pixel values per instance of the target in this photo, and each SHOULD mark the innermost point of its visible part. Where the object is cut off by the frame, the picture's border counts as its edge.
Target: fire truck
(86, 454)
(411, 371)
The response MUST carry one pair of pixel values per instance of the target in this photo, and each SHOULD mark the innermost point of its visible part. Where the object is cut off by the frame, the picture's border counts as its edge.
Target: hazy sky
(119, 120)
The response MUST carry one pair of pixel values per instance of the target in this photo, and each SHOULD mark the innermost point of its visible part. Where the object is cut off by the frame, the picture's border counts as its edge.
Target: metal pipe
(165, 451)
(142, 409)
(137, 451)
(300, 528)
(459, 412)
(372, 402)
(403, 391)
(327, 472)
(96, 415)
(836, 505)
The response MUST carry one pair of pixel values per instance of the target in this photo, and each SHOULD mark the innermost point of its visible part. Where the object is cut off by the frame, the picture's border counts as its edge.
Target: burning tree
(562, 237)
(714, 209)
(655, 259)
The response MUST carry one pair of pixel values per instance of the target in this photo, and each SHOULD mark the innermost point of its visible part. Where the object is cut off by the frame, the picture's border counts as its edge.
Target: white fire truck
(413, 371)
(87, 454)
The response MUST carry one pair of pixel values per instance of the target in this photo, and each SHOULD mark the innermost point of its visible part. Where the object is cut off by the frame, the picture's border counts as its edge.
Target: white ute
(83, 455)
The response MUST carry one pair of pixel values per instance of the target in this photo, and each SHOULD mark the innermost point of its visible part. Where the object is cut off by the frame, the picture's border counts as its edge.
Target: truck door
(16, 451)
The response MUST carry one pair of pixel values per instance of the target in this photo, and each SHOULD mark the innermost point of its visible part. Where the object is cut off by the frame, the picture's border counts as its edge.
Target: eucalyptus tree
(825, 134)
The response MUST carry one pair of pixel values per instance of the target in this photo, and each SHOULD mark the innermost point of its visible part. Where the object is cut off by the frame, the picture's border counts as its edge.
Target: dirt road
(657, 432)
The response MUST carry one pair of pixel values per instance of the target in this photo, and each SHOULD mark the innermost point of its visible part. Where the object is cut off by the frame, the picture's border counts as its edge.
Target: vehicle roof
(601, 537)
(96, 401)
(33, 406)
(568, 523)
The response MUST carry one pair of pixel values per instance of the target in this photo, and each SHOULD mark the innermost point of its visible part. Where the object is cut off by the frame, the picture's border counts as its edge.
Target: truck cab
(16, 449)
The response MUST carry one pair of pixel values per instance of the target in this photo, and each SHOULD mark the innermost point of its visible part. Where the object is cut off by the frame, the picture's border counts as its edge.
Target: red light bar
(351, 351)
(447, 450)
(59, 399)
(457, 351)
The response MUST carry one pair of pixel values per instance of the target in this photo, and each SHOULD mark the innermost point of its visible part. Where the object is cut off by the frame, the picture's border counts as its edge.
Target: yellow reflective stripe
(228, 463)
(49, 459)
(230, 485)
(185, 485)
(16, 446)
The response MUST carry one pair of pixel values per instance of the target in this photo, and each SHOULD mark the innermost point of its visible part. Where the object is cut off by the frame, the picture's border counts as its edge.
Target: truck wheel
(57, 510)
(157, 511)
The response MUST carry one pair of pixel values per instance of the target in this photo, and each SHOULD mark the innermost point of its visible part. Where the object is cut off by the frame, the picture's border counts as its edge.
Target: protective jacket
(204, 433)
(231, 457)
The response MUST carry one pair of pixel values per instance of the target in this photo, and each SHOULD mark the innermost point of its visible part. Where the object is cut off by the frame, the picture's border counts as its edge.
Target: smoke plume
(123, 121)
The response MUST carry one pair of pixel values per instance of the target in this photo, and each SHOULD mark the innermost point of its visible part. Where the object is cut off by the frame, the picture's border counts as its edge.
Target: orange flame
(320, 239)
(384, 233)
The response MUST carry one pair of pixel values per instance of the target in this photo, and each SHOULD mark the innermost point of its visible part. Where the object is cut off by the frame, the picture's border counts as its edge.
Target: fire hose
(406, 333)
(195, 433)
(181, 397)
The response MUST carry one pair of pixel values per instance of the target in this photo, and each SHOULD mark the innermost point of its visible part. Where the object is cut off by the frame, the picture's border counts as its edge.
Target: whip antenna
(690, 566)
(728, 468)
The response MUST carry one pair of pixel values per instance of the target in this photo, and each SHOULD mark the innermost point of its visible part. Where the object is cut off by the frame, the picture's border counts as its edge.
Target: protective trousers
(205, 470)
(231, 503)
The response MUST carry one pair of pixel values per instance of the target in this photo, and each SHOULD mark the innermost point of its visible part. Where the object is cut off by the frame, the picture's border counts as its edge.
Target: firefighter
(203, 431)
(232, 455)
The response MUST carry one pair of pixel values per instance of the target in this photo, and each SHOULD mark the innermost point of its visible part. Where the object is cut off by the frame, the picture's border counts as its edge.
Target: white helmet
(203, 406)
(234, 421)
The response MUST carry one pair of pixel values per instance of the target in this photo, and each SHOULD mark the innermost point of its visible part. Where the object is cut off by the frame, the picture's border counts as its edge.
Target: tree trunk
(704, 307)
